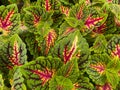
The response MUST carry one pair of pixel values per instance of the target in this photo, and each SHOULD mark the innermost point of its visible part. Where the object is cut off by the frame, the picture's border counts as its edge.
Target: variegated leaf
(49, 4)
(9, 19)
(83, 83)
(60, 83)
(14, 53)
(39, 72)
(70, 70)
(33, 17)
(97, 68)
(106, 86)
(18, 80)
(50, 39)
(113, 47)
(72, 45)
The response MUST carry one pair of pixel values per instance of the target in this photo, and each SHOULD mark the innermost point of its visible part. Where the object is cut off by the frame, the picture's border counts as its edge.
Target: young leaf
(18, 80)
(14, 53)
(60, 83)
(69, 70)
(40, 71)
(99, 45)
(9, 19)
(112, 77)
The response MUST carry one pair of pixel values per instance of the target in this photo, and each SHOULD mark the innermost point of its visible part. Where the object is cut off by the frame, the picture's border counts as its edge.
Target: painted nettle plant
(59, 45)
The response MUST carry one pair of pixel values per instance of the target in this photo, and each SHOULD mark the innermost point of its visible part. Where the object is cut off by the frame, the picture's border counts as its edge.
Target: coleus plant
(60, 45)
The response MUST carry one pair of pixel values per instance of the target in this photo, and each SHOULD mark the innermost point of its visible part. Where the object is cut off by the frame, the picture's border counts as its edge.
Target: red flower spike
(36, 19)
(50, 38)
(106, 86)
(116, 52)
(99, 67)
(45, 75)
(119, 73)
(80, 13)
(68, 54)
(47, 5)
(6, 23)
(15, 56)
(65, 10)
(69, 30)
(92, 21)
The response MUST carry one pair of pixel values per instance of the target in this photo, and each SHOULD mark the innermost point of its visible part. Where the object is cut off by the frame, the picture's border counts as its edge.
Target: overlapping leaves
(13, 53)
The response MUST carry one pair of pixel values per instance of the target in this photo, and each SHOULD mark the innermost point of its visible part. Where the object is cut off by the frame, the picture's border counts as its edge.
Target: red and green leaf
(39, 72)
(49, 5)
(68, 54)
(113, 47)
(14, 53)
(9, 19)
(91, 22)
(33, 17)
(97, 68)
(106, 86)
(50, 39)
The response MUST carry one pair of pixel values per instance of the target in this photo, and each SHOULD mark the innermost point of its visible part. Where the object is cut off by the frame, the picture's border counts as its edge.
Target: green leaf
(14, 53)
(69, 70)
(1, 82)
(99, 46)
(72, 22)
(9, 19)
(32, 45)
(38, 72)
(18, 80)
(112, 77)
(60, 83)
